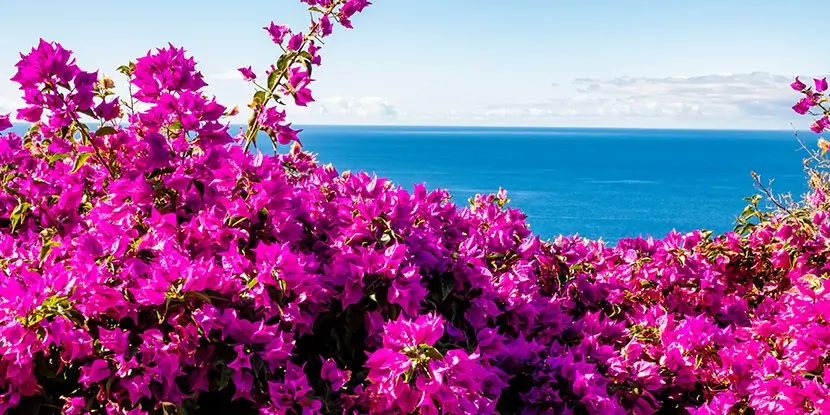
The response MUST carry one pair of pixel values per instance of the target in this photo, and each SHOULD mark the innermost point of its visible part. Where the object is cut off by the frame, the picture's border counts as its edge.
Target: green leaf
(19, 213)
(236, 220)
(88, 113)
(106, 130)
(58, 156)
(46, 248)
(159, 172)
(748, 211)
(34, 129)
(260, 97)
(85, 207)
(80, 161)
(175, 126)
(127, 69)
(306, 60)
(282, 63)
(262, 215)
(53, 301)
(272, 79)
(199, 295)
(432, 353)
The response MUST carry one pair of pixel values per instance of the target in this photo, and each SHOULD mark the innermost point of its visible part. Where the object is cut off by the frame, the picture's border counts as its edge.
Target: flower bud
(107, 82)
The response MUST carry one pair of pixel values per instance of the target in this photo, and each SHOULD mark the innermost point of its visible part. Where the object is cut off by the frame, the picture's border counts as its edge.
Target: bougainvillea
(153, 264)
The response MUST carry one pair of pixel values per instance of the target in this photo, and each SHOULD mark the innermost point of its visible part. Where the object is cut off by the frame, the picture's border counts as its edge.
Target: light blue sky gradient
(636, 63)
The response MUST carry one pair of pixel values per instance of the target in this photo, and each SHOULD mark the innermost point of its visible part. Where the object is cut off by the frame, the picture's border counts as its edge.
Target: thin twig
(768, 192)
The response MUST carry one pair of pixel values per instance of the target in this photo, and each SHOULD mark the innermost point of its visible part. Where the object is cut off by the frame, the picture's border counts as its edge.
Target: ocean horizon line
(512, 127)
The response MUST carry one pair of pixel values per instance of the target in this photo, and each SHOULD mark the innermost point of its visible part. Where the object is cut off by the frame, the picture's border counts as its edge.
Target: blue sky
(637, 63)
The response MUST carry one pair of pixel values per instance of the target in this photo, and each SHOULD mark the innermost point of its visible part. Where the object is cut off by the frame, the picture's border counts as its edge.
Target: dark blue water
(607, 183)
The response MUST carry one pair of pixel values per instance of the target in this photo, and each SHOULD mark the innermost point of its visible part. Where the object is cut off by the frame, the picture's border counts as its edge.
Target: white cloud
(229, 75)
(9, 105)
(339, 108)
(745, 100)
(722, 96)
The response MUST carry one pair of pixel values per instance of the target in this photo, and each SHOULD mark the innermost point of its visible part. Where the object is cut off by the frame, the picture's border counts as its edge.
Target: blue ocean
(609, 183)
(597, 183)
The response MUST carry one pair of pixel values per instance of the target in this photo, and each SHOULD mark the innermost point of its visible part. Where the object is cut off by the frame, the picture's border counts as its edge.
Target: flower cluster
(814, 100)
(152, 265)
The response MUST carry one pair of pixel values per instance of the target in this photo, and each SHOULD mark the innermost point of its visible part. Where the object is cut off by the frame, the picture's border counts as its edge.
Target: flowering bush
(154, 265)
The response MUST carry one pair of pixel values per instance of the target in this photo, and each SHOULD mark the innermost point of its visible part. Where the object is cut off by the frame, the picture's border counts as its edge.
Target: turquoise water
(608, 183)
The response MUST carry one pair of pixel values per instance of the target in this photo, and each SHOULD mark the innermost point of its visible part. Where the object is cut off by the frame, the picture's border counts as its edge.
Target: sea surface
(608, 183)
(597, 183)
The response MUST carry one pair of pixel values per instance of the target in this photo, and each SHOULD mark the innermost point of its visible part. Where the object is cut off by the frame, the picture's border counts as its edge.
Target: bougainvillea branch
(290, 76)
(814, 99)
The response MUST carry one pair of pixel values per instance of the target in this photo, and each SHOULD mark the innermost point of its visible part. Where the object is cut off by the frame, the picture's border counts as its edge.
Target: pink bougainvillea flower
(403, 333)
(797, 85)
(5, 123)
(336, 377)
(820, 125)
(298, 81)
(295, 42)
(803, 106)
(247, 73)
(821, 85)
(95, 372)
(277, 32)
(326, 27)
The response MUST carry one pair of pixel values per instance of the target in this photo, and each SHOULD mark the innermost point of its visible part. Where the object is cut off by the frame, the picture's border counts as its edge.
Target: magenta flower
(820, 125)
(74, 406)
(336, 377)
(5, 123)
(326, 27)
(797, 85)
(803, 106)
(166, 71)
(295, 42)
(313, 50)
(47, 63)
(277, 32)
(298, 81)
(821, 85)
(247, 73)
(403, 333)
(287, 135)
(108, 110)
(271, 118)
(95, 372)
